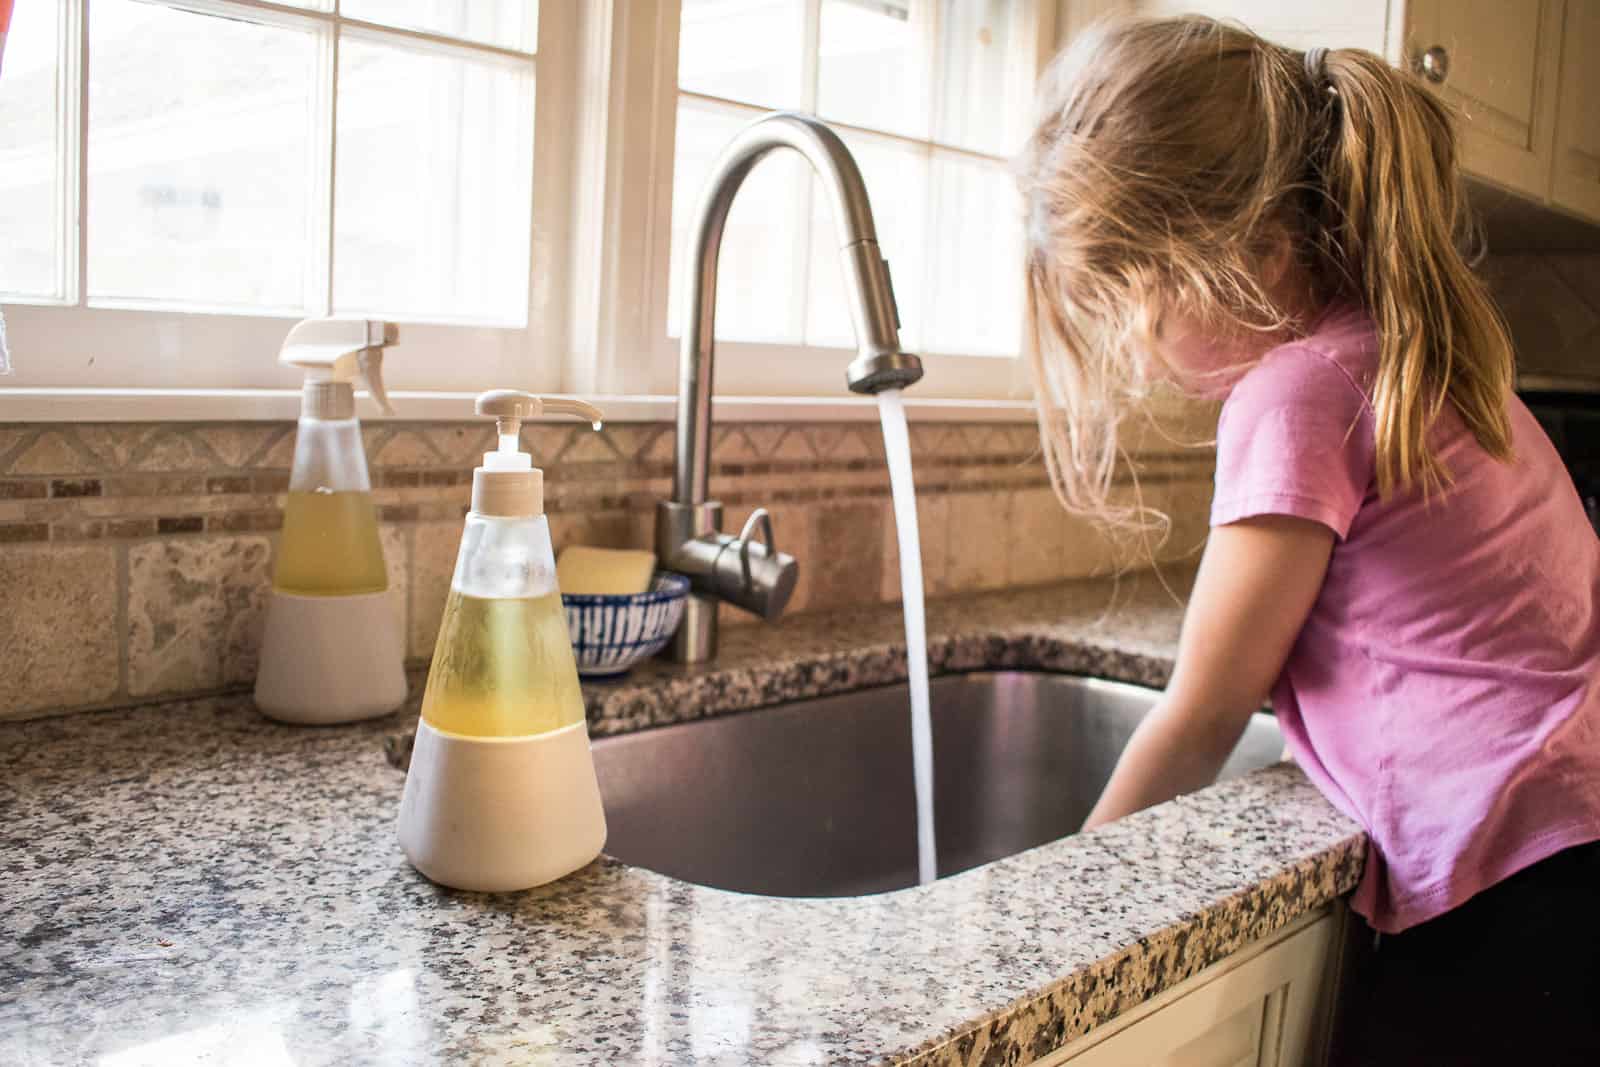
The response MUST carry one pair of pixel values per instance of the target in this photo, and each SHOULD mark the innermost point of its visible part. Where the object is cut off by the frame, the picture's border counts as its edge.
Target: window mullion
(72, 167)
(810, 67)
(324, 177)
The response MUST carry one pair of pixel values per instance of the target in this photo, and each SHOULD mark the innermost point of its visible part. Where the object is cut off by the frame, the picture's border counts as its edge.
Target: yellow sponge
(611, 571)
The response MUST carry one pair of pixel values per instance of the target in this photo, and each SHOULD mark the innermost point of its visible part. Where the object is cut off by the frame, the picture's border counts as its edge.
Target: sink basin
(814, 798)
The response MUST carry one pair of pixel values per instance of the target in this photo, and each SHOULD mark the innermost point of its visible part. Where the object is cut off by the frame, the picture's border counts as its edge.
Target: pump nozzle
(339, 350)
(508, 483)
(510, 407)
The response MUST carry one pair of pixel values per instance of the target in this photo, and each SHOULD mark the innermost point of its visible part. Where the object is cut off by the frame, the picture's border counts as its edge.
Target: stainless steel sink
(814, 798)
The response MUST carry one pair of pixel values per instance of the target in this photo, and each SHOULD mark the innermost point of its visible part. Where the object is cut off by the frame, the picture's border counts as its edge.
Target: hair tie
(1316, 60)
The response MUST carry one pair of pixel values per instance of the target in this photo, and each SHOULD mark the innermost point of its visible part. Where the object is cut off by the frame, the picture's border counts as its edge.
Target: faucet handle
(760, 521)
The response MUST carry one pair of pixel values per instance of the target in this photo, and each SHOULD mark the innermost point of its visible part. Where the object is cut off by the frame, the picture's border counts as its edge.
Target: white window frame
(69, 346)
(606, 93)
(648, 356)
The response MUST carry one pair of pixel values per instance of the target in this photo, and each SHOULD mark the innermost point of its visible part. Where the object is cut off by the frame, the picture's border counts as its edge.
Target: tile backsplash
(135, 558)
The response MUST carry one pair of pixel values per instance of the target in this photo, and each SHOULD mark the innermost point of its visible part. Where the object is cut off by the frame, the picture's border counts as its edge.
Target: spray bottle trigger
(371, 363)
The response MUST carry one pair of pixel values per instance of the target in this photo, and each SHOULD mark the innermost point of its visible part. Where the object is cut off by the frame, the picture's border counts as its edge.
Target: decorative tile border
(185, 517)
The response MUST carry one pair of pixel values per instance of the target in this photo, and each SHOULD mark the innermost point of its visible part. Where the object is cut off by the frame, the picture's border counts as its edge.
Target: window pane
(896, 177)
(748, 50)
(975, 305)
(30, 191)
(200, 158)
(431, 200)
(760, 283)
(507, 23)
(872, 65)
(985, 80)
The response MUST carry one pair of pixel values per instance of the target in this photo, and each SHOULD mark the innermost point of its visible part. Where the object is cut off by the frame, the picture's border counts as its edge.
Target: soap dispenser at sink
(501, 794)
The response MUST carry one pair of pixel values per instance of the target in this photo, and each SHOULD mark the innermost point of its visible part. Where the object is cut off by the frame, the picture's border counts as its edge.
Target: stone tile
(607, 529)
(433, 561)
(662, 449)
(794, 447)
(847, 552)
(1187, 504)
(957, 442)
(980, 536)
(239, 443)
(926, 438)
(633, 439)
(53, 452)
(1038, 538)
(1089, 548)
(732, 445)
(988, 440)
(463, 443)
(933, 533)
(852, 444)
(113, 444)
(586, 446)
(826, 439)
(173, 449)
(404, 448)
(396, 542)
(280, 453)
(195, 608)
(59, 627)
(764, 437)
(11, 439)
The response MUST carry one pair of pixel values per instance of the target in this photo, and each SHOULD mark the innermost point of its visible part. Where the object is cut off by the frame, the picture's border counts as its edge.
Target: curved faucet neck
(872, 305)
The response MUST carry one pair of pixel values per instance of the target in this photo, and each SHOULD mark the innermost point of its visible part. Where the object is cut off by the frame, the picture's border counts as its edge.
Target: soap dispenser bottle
(333, 648)
(501, 794)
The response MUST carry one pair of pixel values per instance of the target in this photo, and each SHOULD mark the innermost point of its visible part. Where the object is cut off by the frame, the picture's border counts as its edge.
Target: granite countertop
(192, 883)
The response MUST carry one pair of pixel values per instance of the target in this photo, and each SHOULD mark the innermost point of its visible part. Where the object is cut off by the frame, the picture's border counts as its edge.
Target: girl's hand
(1257, 582)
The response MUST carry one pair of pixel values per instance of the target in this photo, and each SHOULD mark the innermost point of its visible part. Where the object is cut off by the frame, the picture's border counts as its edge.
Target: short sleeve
(1295, 438)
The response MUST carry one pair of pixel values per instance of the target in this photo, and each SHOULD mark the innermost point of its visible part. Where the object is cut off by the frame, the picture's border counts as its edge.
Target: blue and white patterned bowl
(612, 632)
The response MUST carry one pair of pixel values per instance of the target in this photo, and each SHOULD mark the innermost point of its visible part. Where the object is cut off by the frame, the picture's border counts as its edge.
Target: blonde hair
(1171, 159)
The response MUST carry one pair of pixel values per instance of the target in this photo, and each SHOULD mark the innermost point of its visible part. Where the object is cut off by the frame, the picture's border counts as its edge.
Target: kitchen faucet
(750, 573)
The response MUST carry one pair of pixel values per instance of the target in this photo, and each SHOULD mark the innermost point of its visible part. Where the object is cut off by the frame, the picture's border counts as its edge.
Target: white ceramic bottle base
(499, 814)
(331, 659)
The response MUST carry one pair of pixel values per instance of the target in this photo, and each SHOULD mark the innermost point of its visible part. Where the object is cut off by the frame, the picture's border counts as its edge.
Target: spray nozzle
(511, 407)
(340, 350)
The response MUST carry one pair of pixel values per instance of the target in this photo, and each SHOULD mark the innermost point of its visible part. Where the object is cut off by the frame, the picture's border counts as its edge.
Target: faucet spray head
(874, 372)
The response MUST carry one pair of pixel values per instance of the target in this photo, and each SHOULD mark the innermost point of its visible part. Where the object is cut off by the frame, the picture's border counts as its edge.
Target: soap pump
(501, 794)
(333, 647)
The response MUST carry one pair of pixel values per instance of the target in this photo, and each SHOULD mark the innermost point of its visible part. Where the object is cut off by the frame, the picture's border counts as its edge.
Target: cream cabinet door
(1352, 24)
(1266, 1006)
(1576, 182)
(1502, 60)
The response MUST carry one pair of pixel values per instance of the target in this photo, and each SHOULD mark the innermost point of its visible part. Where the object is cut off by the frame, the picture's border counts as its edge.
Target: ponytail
(1170, 161)
(1389, 213)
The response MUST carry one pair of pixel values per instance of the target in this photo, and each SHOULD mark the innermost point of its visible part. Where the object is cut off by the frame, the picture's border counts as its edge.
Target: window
(265, 161)
(180, 179)
(931, 97)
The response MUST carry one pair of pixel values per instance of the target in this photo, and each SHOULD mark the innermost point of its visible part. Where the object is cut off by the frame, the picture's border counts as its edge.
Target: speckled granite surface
(191, 883)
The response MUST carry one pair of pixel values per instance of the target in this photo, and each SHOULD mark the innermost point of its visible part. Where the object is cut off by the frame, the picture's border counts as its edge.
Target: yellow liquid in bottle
(330, 545)
(503, 668)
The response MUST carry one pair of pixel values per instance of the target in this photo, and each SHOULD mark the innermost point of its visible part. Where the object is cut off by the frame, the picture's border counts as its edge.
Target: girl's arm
(1257, 582)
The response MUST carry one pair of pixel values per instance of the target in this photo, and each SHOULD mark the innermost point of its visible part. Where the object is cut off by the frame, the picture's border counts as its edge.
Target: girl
(1397, 554)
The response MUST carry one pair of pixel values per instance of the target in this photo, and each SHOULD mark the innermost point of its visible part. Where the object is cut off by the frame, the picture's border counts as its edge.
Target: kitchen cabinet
(1268, 1005)
(1497, 63)
(1520, 75)
(1575, 183)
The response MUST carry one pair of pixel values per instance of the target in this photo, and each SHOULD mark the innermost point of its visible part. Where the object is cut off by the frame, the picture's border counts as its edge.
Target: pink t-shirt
(1445, 689)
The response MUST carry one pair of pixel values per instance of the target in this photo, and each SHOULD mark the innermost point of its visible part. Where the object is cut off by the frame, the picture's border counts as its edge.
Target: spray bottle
(333, 649)
(502, 794)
